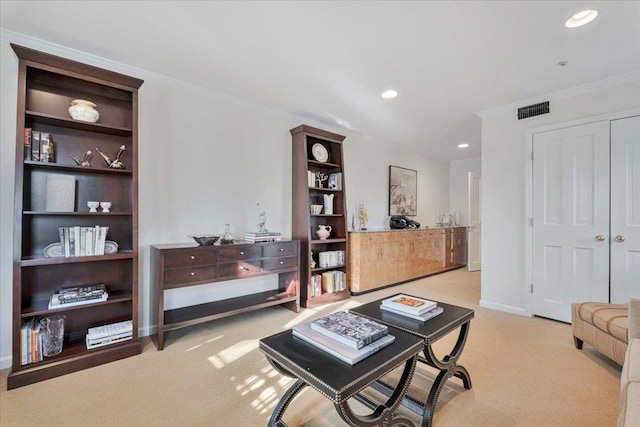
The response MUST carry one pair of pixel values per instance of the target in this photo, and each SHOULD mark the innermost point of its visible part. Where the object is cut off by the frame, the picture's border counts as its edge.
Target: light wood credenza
(378, 259)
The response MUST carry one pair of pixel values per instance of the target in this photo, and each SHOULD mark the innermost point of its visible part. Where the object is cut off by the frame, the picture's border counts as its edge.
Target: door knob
(600, 238)
(620, 238)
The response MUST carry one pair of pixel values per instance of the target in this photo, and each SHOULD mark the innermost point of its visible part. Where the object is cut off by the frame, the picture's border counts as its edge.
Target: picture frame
(403, 191)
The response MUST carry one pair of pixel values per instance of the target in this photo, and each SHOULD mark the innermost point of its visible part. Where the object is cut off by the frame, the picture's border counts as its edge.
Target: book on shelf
(311, 179)
(262, 233)
(336, 349)
(421, 317)
(60, 193)
(27, 143)
(335, 181)
(35, 146)
(263, 239)
(55, 302)
(107, 341)
(110, 329)
(30, 342)
(82, 241)
(46, 147)
(109, 334)
(350, 329)
(409, 304)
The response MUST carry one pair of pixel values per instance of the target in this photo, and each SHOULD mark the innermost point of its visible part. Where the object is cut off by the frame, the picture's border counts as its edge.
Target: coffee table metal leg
(383, 415)
(448, 368)
(283, 404)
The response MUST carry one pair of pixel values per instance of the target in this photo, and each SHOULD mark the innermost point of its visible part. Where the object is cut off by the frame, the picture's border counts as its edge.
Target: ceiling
(329, 61)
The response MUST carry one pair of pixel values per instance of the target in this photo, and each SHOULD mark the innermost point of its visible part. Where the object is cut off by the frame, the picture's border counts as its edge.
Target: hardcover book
(350, 329)
(345, 353)
(409, 304)
(60, 193)
(421, 317)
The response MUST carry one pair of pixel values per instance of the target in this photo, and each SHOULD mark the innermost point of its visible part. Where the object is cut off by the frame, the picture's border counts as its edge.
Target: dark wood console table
(186, 264)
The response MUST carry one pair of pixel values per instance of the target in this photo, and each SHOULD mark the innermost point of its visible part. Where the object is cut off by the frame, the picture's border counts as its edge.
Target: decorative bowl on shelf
(204, 239)
(84, 110)
(316, 209)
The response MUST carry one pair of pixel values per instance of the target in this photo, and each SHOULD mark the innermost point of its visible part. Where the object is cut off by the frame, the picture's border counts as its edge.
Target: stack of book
(262, 236)
(109, 334)
(69, 297)
(31, 342)
(83, 241)
(331, 258)
(346, 336)
(412, 307)
(38, 146)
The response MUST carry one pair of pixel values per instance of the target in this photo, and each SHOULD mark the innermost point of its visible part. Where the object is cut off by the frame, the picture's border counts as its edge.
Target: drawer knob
(281, 249)
(192, 257)
(281, 262)
(193, 274)
(241, 252)
(244, 268)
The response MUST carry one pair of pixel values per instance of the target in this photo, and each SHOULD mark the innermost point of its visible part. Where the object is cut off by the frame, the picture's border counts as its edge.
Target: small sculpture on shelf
(114, 164)
(321, 177)
(85, 161)
(362, 217)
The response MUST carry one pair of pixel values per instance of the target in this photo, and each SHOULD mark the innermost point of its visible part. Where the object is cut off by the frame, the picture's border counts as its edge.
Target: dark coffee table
(338, 381)
(432, 330)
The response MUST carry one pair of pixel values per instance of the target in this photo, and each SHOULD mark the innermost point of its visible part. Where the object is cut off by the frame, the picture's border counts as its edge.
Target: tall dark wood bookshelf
(305, 224)
(46, 86)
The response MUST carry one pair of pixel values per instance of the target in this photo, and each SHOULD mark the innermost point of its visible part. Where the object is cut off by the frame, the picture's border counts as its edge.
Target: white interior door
(625, 209)
(570, 238)
(474, 207)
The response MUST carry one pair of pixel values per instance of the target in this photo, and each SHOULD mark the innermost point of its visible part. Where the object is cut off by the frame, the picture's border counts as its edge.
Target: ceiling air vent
(533, 110)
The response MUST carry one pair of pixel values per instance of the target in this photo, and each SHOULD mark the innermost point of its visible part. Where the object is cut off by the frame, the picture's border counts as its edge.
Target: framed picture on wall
(403, 191)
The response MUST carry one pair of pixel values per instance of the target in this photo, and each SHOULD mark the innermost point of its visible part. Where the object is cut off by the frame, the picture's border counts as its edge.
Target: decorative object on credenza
(400, 222)
(227, 237)
(85, 161)
(84, 110)
(93, 206)
(403, 191)
(204, 239)
(362, 217)
(105, 206)
(321, 177)
(323, 232)
(316, 209)
(328, 204)
(116, 163)
(262, 219)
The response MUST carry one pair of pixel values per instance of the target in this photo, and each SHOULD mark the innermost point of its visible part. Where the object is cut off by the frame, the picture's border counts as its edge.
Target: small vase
(84, 110)
(323, 232)
(328, 204)
(227, 237)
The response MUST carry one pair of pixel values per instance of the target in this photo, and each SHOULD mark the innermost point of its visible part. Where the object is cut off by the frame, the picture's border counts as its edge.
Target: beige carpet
(525, 372)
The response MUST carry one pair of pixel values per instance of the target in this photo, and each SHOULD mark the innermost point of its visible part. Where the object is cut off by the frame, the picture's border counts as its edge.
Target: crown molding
(88, 58)
(565, 93)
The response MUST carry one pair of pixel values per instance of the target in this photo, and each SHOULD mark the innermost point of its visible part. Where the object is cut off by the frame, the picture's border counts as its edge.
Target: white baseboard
(506, 308)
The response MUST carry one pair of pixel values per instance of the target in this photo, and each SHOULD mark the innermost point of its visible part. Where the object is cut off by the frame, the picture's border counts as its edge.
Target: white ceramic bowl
(316, 209)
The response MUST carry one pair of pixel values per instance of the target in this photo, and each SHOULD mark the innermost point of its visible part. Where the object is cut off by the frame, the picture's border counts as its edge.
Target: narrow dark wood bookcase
(305, 224)
(46, 86)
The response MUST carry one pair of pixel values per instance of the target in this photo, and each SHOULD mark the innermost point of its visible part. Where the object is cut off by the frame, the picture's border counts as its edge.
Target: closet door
(625, 209)
(570, 245)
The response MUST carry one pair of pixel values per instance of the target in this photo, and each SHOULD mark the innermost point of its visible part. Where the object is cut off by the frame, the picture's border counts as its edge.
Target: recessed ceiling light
(581, 18)
(563, 63)
(465, 145)
(388, 94)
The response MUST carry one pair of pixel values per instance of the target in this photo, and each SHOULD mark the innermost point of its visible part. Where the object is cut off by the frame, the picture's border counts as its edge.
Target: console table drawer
(234, 253)
(178, 277)
(189, 257)
(236, 270)
(275, 264)
(281, 249)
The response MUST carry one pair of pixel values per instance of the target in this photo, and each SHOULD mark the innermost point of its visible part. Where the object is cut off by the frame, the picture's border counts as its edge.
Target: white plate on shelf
(54, 250)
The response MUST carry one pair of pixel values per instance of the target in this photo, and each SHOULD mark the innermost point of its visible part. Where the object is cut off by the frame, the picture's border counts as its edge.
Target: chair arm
(634, 318)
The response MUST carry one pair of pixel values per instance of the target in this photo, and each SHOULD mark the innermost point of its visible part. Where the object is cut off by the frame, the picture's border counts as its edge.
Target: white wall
(206, 159)
(504, 281)
(459, 198)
